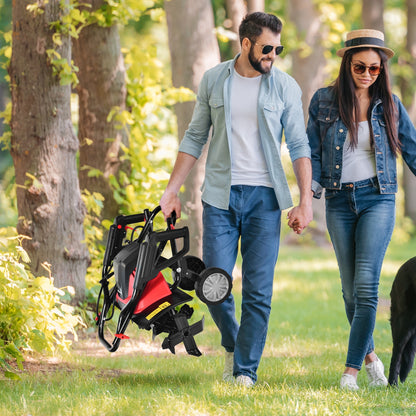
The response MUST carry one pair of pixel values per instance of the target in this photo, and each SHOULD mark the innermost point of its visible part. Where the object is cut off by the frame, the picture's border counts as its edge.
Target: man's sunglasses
(268, 48)
(372, 69)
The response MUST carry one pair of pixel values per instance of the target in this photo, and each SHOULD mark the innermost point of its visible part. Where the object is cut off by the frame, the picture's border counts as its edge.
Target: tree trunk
(101, 88)
(255, 6)
(236, 10)
(309, 59)
(194, 49)
(409, 100)
(3, 90)
(44, 149)
(372, 14)
(309, 71)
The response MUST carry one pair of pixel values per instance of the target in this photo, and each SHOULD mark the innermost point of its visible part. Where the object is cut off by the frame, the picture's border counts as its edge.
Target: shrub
(32, 316)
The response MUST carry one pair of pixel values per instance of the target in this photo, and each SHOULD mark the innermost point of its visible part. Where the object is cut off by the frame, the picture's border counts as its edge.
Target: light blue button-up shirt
(279, 108)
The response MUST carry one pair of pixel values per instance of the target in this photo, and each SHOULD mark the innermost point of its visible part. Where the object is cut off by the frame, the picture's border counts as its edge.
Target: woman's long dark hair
(348, 104)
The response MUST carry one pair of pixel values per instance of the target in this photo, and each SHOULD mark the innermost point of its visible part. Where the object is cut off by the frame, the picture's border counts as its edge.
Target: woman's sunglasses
(268, 48)
(373, 70)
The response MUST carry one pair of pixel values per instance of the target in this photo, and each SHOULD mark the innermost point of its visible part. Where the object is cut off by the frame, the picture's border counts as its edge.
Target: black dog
(403, 322)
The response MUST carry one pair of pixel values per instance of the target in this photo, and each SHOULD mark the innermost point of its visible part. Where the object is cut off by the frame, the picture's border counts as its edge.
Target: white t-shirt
(359, 163)
(248, 164)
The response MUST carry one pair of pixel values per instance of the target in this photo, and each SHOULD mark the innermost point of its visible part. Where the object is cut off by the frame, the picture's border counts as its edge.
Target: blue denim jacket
(279, 107)
(327, 134)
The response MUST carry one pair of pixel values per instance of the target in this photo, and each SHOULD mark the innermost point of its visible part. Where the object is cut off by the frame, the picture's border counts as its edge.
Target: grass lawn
(298, 375)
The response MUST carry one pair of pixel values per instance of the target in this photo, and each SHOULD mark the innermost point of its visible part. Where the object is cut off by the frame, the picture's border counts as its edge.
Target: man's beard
(256, 63)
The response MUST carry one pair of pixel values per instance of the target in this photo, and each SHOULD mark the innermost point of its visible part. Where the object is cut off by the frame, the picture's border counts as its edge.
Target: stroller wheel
(213, 286)
(194, 266)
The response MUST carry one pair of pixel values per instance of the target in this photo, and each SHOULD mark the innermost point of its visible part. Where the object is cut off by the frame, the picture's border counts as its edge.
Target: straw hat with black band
(365, 38)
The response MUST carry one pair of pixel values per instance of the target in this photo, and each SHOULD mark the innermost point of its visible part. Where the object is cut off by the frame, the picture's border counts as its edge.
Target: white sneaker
(375, 373)
(227, 375)
(349, 382)
(245, 381)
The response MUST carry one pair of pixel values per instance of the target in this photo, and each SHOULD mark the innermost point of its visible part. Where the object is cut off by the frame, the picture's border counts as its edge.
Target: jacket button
(337, 148)
(337, 167)
(335, 184)
(341, 130)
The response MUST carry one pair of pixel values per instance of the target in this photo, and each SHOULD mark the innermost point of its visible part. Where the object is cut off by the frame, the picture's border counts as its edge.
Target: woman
(356, 129)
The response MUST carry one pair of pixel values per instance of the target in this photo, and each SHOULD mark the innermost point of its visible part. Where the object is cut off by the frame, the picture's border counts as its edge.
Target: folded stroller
(141, 268)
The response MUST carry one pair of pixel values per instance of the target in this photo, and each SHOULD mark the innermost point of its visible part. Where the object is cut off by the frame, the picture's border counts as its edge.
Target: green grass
(298, 375)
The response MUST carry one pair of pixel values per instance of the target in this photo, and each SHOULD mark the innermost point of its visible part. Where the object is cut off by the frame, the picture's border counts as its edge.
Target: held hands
(299, 217)
(170, 203)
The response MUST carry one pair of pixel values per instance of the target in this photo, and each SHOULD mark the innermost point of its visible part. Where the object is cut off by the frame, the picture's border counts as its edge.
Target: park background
(94, 97)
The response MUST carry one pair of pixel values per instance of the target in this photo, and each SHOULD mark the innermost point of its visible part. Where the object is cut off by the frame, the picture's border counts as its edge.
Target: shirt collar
(232, 63)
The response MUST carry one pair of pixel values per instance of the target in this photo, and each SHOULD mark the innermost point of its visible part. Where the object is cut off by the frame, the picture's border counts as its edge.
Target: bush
(32, 316)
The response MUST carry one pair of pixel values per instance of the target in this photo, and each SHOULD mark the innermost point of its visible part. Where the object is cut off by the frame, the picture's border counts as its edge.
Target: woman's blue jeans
(360, 222)
(253, 219)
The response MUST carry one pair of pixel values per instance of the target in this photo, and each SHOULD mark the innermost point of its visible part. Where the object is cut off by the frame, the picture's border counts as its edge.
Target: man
(248, 102)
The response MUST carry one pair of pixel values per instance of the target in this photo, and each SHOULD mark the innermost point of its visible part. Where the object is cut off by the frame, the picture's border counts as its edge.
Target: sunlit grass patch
(299, 372)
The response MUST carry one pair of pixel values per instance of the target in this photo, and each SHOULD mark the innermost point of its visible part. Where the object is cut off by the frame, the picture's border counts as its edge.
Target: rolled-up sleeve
(293, 123)
(197, 133)
(407, 137)
(313, 132)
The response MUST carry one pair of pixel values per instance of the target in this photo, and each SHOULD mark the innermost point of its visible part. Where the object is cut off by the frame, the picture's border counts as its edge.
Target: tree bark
(44, 149)
(101, 88)
(409, 100)
(309, 59)
(194, 49)
(372, 14)
(236, 10)
(309, 71)
(255, 6)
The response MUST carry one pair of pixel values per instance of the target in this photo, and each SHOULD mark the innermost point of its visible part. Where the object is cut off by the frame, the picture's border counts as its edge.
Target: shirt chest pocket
(273, 111)
(216, 103)
(327, 118)
(217, 111)
(328, 115)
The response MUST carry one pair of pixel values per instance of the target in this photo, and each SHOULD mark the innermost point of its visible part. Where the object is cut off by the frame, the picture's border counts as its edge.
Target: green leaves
(61, 68)
(32, 316)
(120, 11)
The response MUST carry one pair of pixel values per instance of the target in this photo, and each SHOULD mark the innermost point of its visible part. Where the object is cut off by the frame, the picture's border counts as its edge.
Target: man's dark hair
(253, 24)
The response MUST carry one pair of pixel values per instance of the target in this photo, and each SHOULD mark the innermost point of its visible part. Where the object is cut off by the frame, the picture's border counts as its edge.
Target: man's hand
(170, 203)
(299, 218)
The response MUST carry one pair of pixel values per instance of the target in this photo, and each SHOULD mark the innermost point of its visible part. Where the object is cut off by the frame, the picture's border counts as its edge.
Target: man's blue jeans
(253, 216)
(360, 222)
